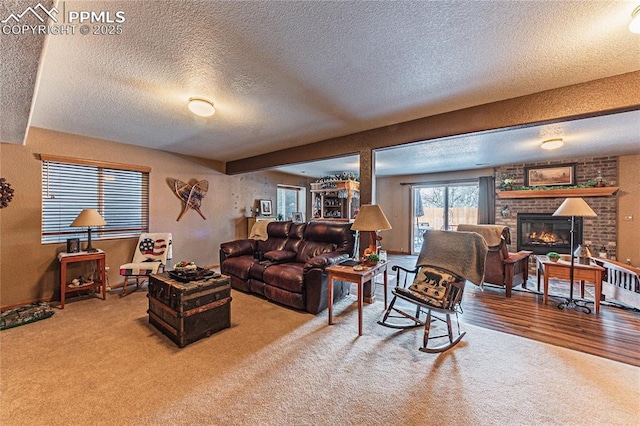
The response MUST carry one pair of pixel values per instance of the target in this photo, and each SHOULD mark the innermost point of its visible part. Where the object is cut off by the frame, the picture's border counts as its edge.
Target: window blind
(121, 196)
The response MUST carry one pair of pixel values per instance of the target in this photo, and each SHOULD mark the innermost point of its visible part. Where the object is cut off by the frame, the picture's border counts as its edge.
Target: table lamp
(89, 218)
(573, 207)
(371, 219)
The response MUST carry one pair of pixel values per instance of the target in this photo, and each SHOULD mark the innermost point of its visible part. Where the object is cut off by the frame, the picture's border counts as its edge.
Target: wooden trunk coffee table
(188, 311)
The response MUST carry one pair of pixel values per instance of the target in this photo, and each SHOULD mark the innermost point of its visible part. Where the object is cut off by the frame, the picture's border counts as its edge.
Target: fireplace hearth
(543, 232)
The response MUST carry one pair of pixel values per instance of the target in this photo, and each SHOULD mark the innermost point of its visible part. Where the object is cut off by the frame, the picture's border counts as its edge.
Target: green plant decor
(372, 258)
(588, 184)
(553, 255)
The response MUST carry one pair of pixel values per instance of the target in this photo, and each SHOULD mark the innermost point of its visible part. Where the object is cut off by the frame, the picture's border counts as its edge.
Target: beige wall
(29, 269)
(395, 200)
(629, 205)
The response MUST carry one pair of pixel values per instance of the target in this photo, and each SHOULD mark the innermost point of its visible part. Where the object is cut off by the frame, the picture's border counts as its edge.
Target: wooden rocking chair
(447, 260)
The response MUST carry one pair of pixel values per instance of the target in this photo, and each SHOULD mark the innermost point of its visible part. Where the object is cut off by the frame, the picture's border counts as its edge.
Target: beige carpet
(101, 363)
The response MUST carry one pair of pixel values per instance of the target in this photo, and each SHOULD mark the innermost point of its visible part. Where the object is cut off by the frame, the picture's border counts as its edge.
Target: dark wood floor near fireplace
(613, 334)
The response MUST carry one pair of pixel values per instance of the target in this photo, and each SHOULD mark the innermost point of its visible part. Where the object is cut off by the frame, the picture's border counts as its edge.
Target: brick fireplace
(598, 232)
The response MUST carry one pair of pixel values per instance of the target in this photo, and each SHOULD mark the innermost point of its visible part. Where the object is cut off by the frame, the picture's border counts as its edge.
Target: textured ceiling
(283, 74)
(616, 134)
(19, 56)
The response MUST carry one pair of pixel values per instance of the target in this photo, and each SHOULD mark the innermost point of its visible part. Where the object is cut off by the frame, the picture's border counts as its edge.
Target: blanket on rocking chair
(462, 253)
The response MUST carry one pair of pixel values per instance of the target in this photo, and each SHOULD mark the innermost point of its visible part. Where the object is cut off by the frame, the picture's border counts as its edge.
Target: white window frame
(301, 200)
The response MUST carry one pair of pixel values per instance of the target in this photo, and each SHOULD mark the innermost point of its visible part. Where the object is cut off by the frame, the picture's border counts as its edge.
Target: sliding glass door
(442, 206)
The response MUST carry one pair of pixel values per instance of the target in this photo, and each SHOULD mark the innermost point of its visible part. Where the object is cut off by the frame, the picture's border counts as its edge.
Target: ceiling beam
(593, 98)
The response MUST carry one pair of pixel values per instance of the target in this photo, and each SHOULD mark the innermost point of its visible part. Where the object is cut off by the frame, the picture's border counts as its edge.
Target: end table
(347, 273)
(100, 280)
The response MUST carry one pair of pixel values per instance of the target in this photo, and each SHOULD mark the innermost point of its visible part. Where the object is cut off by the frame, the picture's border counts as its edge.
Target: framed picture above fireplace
(562, 175)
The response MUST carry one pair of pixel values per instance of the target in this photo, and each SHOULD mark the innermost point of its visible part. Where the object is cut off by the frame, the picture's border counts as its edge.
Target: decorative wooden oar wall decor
(191, 195)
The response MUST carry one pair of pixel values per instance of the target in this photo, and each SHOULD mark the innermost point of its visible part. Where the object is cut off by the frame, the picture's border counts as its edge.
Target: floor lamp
(573, 207)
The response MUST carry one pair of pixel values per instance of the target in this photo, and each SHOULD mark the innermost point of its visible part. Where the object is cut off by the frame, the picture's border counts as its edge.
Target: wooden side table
(100, 281)
(562, 270)
(347, 273)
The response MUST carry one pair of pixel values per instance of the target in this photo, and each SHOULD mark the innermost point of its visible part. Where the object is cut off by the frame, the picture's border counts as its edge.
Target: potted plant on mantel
(507, 183)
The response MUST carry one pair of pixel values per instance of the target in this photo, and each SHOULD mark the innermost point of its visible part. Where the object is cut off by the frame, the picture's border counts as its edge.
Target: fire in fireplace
(542, 233)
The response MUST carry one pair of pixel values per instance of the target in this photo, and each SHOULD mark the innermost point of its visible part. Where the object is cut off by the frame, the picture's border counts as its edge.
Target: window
(119, 192)
(443, 206)
(291, 200)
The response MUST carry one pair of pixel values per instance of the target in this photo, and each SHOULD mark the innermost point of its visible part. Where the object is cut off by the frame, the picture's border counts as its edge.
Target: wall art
(191, 195)
(562, 175)
(6, 193)
(265, 208)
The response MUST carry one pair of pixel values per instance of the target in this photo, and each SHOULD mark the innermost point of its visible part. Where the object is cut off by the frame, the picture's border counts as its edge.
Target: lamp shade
(574, 207)
(370, 218)
(89, 217)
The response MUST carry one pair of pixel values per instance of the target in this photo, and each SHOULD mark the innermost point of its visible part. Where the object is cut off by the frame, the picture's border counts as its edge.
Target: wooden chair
(150, 255)
(436, 286)
(503, 269)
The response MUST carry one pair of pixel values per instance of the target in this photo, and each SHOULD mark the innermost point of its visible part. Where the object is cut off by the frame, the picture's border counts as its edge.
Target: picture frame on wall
(73, 245)
(265, 208)
(559, 175)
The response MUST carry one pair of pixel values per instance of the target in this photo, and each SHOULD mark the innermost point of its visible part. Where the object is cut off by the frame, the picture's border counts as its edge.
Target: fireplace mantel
(553, 193)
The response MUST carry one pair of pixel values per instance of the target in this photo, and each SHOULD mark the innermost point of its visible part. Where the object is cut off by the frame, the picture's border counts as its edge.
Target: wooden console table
(561, 270)
(347, 273)
(100, 280)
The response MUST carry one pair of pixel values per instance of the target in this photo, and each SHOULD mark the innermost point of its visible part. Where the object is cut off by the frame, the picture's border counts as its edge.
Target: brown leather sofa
(289, 266)
(502, 268)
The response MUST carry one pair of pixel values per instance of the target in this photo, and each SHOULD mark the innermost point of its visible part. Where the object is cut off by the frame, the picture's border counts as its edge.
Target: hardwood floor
(614, 333)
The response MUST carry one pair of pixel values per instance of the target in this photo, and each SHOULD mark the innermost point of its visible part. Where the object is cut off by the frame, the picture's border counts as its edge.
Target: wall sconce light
(552, 143)
(634, 26)
(505, 212)
(201, 106)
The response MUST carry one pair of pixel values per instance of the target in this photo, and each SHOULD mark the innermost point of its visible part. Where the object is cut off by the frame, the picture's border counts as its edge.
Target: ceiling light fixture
(552, 143)
(201, 106)
(634, 26)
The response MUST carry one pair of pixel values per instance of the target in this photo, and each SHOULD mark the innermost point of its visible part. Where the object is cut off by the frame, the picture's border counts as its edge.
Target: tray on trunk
(194, 275)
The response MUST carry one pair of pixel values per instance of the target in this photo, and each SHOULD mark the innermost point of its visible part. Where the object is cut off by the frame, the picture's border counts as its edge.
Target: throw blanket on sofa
(462, 253)
(491, 233)
(259, 230)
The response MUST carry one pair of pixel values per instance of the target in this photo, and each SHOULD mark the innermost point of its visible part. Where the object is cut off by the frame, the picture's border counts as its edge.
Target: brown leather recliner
(289, 267)
(502, 268)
